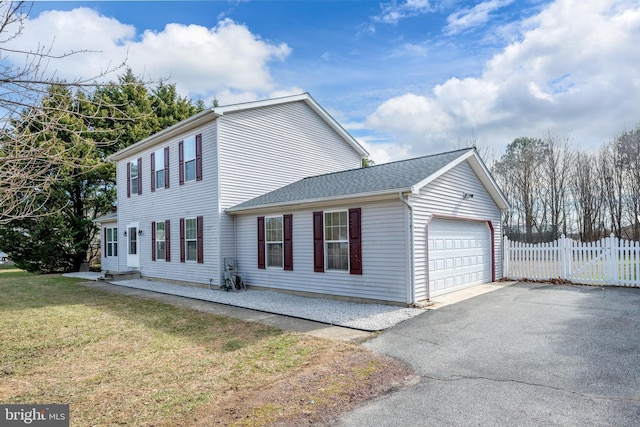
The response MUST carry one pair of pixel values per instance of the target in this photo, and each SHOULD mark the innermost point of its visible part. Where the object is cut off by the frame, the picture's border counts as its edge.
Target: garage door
(459, 255)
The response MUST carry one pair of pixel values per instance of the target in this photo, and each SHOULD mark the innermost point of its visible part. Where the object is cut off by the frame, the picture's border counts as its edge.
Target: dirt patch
(317, 394)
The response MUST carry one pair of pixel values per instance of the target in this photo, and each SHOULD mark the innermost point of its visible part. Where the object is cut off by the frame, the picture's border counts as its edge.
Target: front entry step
(114, 276)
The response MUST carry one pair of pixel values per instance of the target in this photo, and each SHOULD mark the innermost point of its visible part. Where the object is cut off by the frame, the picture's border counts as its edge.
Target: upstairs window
(190, 153)
(134, 181)
(160, 169)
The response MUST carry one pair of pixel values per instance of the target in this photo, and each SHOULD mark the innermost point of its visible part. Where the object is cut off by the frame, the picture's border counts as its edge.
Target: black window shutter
(140, 175)
(166, 167)
(105, 244)
(288, 241)
(318, 242)
(200, 241)
(181, 161)
(167, 240)
(153, 171)
(153, 240)
(355, 241)
(182, 254)
(261, 243)
(199, 157)
(128, 179)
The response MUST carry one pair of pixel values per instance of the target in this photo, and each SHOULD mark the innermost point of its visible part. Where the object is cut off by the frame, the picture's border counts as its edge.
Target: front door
(133, 252)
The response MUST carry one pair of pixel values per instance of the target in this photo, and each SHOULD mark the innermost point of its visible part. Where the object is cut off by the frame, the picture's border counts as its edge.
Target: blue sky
(406, 78)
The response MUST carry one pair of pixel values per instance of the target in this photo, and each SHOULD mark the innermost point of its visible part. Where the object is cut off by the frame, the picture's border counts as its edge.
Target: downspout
(411, 270)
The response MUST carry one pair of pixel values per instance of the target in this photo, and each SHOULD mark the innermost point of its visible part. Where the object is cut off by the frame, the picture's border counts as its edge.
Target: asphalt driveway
(527, 354)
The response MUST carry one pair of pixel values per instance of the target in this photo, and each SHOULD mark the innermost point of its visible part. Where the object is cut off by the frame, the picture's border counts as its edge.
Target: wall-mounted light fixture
(139, 232)
(125, 233)
(467, 196)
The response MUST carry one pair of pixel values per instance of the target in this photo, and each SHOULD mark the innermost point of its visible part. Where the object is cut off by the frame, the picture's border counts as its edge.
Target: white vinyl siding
(444, 197)
(384, 256)
(173, 203)
(257, 146)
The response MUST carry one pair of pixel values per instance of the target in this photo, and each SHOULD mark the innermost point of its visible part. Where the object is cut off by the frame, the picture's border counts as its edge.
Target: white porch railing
(610, 261)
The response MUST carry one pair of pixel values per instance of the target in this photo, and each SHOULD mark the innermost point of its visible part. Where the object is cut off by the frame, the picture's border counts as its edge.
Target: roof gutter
(412, 287)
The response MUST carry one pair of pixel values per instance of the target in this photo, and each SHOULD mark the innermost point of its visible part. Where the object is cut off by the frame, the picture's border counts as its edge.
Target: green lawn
(121, 360)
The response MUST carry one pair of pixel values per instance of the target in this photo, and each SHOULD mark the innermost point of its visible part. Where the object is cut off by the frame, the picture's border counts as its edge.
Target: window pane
(133, 246)
(115, 249)
(134, 185)
(109, 249)
(109, 234)
(160, 231)
(115, 234)
(274, 255)
(190, 170)
(134, 170)
(159, 159)
(192, 251)
(160, 178)
(338, 256)
(190, 148)
(274, 229)
(190, 229)
(160, 250)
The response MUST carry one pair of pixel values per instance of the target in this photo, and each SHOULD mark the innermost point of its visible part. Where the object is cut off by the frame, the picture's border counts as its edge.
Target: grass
(121, 360)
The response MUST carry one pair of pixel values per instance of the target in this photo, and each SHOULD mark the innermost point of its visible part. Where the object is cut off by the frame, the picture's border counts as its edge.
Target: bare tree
(587, 198)
(556, 172)
(29, 156)
(612, 178)
(628, 145)
(519, 173)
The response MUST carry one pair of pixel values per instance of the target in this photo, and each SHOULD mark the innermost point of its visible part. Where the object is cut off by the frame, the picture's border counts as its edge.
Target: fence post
(613, 263)
(505, 257)
(562, 258)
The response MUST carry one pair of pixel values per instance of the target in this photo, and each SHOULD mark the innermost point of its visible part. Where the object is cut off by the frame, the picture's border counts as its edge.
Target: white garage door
(459, 255)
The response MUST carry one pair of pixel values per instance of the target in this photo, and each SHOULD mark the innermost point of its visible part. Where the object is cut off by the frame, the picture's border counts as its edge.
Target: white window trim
(159, 155)
(134, 178)
(186, 240)
(326, 243)
(113, 243)
(164, 240)
(190, 140)
(267, 242)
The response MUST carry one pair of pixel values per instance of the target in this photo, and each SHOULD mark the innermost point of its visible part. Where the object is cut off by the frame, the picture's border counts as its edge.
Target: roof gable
(212, 114)
(389, 178)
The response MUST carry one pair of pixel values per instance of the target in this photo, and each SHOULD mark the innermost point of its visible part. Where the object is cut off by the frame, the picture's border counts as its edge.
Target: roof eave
(322, 201)
(163, 135)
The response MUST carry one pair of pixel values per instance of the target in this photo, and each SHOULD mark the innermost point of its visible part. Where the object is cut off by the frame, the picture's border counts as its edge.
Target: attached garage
(460, 254)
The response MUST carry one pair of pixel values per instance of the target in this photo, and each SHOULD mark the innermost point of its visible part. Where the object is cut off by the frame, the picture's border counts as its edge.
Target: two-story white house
(278, 185)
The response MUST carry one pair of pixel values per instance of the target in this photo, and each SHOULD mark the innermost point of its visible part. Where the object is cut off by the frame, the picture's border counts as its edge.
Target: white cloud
(226, 60)
(393, 11)
(474, 17)
(573, 71)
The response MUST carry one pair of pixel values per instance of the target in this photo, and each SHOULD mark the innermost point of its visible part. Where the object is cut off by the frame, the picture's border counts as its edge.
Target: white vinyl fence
(610, 261)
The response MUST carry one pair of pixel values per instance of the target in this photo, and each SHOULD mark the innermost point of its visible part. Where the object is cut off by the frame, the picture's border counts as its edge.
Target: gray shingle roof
(400, 176)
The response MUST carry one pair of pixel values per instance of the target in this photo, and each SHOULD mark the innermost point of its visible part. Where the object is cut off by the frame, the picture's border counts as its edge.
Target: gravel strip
(366, 317)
